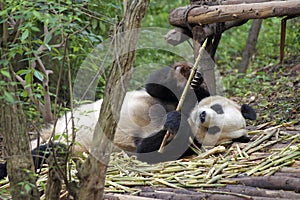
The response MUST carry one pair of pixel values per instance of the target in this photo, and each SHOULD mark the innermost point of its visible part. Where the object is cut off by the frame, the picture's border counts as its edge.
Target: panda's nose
(202, 116)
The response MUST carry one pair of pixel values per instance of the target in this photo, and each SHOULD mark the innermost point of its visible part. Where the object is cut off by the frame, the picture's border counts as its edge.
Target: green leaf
(48, 46)
(56, 137)
(3, 12)
(35, 29)
(27, 188)
(24, 71)
(48, 38)
(28, 78)
(102, 26)
(24, 93)
(9, 97)
(38, 75)
(94, 24)
(37, 14)
(25, 35)
(5, 73)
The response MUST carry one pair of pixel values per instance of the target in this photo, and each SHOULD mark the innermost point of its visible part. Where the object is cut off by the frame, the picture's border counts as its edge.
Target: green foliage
(83, 24)
(7, 96)
(27, 186)
(158, 13)
(234, 40)
(41, 30)
(272, 87)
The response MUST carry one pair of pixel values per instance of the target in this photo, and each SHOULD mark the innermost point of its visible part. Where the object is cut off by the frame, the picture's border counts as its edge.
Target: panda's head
(168, 83)
(217, 119)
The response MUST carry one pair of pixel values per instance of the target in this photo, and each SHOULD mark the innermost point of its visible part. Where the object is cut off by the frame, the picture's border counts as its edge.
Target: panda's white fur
(228, 124)
(142, 115)
(85, 118)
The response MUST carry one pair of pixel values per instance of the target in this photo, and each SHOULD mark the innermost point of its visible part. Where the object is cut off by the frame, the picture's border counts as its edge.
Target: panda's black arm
(177, 123)
(177, 148)
(39, 156)
(201, 93)
(198, 87)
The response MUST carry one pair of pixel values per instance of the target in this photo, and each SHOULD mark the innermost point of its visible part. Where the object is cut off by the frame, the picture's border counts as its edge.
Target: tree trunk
(57, 173)
(12, 125)
(222, 13)
(250, 46)
(92, 173)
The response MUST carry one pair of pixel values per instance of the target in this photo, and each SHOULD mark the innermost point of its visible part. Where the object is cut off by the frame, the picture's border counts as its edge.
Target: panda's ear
(248, 112)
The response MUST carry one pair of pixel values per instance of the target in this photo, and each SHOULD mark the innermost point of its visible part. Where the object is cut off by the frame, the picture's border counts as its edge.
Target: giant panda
(147, 114)
(142, 113)
(212, 121)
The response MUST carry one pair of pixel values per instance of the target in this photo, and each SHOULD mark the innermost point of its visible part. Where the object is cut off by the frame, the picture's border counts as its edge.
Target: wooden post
(207, 64)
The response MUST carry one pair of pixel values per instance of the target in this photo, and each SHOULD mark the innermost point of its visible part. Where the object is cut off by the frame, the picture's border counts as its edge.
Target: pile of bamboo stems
(211, 168)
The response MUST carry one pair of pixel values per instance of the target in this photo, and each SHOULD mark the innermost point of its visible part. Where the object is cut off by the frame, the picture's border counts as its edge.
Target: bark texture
(92, 173)
(19, 162)
(200, 14)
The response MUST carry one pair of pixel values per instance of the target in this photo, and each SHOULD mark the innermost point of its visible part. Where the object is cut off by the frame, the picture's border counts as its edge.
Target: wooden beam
(221, 13)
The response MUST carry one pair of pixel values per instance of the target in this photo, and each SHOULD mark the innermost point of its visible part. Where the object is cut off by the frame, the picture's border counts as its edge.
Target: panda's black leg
(197, 80)
(42, 153)
(3, 170)
(39, 156)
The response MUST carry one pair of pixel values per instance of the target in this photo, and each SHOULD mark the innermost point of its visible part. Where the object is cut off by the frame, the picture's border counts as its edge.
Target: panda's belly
(141, 115)
(85, 118)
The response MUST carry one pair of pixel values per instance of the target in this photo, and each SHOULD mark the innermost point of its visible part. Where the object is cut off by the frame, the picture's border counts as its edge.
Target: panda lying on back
(202, 120)
(147, 115)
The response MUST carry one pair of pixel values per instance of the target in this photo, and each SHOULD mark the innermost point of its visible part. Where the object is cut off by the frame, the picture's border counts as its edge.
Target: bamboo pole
(184, 93)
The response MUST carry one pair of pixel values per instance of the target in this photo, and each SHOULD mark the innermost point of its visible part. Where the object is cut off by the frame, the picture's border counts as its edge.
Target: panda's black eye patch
(217, 108)
(213, 130)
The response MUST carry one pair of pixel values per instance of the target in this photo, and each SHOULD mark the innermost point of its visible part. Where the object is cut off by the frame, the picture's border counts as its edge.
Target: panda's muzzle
(202, 116)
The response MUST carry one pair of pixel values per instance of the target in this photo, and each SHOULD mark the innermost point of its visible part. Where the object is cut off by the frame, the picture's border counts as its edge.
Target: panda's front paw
(172, 122)
(197, 80)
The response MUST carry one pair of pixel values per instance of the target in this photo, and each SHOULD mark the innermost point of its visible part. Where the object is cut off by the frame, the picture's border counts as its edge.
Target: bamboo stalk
(218, 149)
(263, 146)
(127, 189)
(184, 93)
(273, 161)
(167, 183)
(214, 179)
(259, 141)
(218, 170)
(295, 139)
(272, 170)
